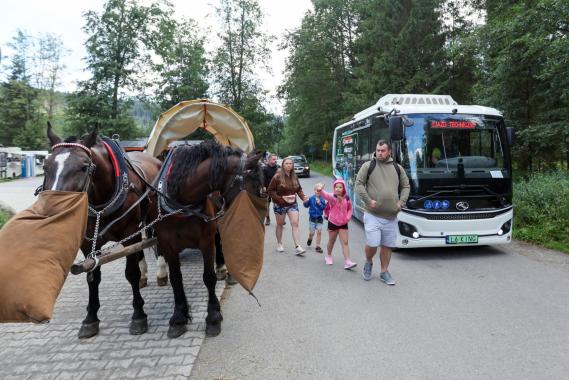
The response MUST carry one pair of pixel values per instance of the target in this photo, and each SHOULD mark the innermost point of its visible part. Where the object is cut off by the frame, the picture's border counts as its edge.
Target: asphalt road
(478, 313)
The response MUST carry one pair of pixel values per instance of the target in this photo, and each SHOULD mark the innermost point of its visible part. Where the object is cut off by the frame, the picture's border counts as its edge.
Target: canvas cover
(243, 235)
(37, 248)
(186, 117)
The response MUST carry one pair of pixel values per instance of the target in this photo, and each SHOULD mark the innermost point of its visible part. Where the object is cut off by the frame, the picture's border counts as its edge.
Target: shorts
(315, 223)
(333, 227)
(282, 210)
(380, 231)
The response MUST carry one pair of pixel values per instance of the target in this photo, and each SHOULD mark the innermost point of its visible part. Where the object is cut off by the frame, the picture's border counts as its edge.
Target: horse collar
(121, 181)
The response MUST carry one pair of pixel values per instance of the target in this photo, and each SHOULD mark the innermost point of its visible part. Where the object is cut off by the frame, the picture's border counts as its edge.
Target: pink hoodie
(340, 212)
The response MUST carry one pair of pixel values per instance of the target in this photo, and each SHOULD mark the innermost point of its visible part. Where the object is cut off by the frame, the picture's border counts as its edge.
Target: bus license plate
(462, 239)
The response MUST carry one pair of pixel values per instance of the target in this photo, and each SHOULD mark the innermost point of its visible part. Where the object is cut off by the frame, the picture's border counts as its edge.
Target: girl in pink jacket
(339, 214)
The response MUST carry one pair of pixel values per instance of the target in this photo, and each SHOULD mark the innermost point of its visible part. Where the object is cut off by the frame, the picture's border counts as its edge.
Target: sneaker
(280, 248)
(318, 249)
(267, 222)
(299, 250)
(386, 277)
(366, 273)
(349, 264)
(308, 242)
(329, 260)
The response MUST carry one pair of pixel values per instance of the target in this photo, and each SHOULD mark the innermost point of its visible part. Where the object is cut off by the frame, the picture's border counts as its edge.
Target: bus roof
(420, 103)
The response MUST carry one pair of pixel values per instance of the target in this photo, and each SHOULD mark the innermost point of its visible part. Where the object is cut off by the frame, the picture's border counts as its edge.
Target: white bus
(457, 158)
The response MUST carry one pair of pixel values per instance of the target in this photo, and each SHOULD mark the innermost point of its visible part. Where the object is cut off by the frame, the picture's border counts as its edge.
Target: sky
(64, 18)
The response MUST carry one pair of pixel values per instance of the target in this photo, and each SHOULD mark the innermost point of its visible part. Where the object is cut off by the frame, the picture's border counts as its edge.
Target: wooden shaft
(88, 264)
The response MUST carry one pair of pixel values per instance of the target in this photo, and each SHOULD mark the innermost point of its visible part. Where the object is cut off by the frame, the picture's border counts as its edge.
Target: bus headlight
(506, 227)
(408, 230)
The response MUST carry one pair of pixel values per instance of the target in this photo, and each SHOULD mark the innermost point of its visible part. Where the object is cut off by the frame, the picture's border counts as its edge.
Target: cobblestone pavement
(53, 351)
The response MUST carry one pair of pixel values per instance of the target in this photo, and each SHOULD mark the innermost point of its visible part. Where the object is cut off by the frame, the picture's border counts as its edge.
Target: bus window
(363, 153)
(379, 131)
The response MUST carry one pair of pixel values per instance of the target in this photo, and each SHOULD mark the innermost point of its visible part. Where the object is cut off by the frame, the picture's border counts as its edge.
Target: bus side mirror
(396, 129)
(511, 136)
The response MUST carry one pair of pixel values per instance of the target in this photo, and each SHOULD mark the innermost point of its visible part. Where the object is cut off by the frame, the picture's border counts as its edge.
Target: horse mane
(187, 158)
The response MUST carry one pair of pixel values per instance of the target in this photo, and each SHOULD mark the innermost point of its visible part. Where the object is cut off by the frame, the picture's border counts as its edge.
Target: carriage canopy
(186, 117)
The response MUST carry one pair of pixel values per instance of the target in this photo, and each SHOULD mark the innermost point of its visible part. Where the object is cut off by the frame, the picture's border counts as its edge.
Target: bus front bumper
(450, 233)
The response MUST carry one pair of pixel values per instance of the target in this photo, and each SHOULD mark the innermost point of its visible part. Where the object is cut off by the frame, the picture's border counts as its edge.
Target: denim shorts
(315, 227)
(282, 210)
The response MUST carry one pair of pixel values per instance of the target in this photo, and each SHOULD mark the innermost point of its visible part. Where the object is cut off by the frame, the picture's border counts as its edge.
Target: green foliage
(541, 209)
(4, 216)
(318, 73)
(523, 71)
(322, 167)
(119, 50)
(243, 50)
(183, 67)
(18, 106)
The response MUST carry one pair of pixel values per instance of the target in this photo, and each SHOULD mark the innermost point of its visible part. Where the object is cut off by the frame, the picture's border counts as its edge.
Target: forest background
(141, 60)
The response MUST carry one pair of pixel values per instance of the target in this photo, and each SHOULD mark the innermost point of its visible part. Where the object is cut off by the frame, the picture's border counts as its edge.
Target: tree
(243, 51)
(318, 73)
(523, 71)
(183, 68)
(119, 48)
(48, 70)
(18, 108)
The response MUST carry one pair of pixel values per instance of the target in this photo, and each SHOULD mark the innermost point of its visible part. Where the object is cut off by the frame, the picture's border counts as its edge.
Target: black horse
(193, 174)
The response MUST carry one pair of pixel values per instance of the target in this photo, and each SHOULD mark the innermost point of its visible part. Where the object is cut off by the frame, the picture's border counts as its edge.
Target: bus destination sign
(453, 124)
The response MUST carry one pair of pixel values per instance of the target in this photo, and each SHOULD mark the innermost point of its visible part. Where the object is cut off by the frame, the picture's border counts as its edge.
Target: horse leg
(139, 322)
(143, 270)
(214, 317)
(220, 268)
(90, 325)
(162, 275)
(181, 314)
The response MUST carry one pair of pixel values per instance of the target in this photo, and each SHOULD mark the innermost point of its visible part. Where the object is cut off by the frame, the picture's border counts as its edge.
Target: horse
(96, 165)
(195, 172)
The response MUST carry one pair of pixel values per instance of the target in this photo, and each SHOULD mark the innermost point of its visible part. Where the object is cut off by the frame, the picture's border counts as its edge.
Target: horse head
(71, 166)
(246, 175)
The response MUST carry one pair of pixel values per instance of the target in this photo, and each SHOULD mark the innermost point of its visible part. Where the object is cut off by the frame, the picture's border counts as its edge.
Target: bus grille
(464, 216)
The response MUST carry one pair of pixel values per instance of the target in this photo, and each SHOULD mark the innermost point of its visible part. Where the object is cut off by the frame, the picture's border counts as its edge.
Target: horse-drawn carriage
(170, 202)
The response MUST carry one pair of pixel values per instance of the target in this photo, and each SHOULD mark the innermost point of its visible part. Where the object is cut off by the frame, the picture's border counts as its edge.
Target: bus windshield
(439, 142)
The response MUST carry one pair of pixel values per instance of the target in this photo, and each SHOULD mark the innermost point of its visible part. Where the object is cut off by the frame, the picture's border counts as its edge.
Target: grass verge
(541, 210)
(322, 167)
(4, 216)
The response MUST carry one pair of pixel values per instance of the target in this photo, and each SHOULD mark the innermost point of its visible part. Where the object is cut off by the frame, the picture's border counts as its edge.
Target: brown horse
(194, 173)
(96, 165)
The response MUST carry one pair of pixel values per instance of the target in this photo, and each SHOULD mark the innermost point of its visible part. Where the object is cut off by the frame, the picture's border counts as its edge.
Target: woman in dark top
(283, 190)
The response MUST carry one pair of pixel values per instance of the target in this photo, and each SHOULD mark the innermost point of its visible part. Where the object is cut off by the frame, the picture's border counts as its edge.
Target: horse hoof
(230, 280)
(162, 281)
(142, 283)
(176, 330)
(138, 326)
(88, 330)
(212, 329)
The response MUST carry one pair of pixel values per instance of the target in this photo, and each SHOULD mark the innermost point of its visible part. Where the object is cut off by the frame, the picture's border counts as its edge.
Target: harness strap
(121, 181)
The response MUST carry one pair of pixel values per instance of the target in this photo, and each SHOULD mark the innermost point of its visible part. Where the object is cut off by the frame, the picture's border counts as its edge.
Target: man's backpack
(372, 166)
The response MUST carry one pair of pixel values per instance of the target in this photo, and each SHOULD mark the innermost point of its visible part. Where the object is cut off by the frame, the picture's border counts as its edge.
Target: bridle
(239, 177)
(90, 171)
